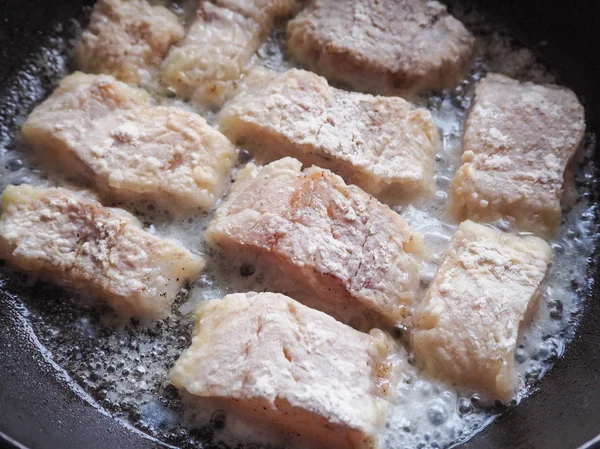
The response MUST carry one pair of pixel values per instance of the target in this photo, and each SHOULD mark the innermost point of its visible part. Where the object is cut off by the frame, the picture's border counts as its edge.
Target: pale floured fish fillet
(467, 327)
(127, 39)
(518, 140)
(351, 256)
(382, 46)
(379, 143)
(71, 239)
(277, 361)
(206, 66)
(98, 129)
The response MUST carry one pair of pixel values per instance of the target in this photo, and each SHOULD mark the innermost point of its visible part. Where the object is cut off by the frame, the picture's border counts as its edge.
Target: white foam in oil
(124, 366)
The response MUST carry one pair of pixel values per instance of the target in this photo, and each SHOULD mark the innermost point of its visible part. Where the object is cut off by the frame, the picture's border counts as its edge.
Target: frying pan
(40, 410)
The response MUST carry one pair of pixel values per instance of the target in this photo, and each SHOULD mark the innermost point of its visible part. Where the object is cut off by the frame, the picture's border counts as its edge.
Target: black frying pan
(38, 410)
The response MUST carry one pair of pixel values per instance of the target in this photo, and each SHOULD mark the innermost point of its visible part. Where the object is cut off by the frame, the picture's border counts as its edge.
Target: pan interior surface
(71, 369)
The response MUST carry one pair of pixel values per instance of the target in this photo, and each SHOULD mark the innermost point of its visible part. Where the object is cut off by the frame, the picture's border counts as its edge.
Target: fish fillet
(98, 129)
(71, 239)
(380, 144)
(127, 39)
(382, 46)
(467, 326)
(279, 362)
(206, 66)
(352, 256)
(518, 140)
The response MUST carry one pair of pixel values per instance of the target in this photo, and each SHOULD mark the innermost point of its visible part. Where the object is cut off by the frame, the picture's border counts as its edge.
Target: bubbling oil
(123, 367)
